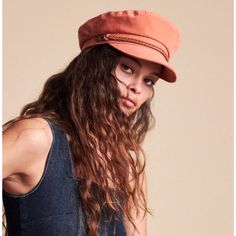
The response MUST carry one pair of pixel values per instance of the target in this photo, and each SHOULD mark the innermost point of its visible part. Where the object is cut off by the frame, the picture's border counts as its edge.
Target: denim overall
(53, 207)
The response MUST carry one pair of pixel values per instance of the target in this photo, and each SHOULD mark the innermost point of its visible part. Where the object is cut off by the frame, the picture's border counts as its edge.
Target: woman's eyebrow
(159, 73)
(156, 74)
(134, 60)
(139, 64)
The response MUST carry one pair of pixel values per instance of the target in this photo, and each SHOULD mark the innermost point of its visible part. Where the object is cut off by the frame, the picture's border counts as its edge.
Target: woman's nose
(135, 87)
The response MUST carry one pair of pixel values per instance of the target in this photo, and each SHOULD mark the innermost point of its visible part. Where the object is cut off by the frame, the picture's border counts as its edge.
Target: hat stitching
(114, 37)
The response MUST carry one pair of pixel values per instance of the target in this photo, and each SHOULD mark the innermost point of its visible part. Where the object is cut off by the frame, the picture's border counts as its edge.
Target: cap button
(104, 37)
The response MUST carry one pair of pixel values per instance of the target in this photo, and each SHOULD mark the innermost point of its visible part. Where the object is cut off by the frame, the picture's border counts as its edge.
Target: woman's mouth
(128, 102)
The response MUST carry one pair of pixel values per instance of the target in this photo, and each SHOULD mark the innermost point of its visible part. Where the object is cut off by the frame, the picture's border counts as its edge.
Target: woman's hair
(105, 143)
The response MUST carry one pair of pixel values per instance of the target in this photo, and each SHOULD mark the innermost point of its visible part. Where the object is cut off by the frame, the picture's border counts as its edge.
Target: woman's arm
(25, 147)
(140, 222)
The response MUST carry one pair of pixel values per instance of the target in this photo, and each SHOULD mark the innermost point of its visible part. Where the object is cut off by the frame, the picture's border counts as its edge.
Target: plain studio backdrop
(190, 151)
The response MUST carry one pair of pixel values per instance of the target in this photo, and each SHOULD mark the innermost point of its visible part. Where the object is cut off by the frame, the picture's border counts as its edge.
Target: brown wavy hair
(105, 143)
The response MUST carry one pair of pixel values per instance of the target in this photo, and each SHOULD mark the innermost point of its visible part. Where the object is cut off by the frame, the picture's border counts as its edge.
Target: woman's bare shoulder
(28, 123)
(24, 143)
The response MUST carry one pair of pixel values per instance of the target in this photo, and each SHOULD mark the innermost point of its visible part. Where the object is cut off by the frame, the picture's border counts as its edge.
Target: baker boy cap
(138, 33)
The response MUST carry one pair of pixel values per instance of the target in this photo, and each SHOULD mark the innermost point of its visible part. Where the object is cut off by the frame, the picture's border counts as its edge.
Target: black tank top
(53, 207)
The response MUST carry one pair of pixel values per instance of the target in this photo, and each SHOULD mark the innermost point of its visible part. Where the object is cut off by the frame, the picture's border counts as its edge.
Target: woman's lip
(129, 102)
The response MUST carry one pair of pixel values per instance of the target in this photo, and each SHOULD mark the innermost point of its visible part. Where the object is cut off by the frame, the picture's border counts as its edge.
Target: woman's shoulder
(33, 132)
(29, 123)
(25, 143)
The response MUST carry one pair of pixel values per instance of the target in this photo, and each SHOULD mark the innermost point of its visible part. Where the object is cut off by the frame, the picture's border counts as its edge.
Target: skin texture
(27, 142)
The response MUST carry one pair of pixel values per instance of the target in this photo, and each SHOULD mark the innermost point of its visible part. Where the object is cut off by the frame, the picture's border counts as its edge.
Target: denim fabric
(53, 207)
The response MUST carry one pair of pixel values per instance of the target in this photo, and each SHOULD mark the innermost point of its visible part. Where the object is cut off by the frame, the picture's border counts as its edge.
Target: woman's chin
(126, 110)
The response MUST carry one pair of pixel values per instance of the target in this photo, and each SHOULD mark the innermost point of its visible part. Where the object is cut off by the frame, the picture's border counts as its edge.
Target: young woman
(73, 162)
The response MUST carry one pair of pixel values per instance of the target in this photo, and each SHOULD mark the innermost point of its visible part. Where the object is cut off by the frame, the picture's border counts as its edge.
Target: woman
(73, 162)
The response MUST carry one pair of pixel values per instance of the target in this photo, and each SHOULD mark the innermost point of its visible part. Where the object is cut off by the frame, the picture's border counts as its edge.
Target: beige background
(190, 152)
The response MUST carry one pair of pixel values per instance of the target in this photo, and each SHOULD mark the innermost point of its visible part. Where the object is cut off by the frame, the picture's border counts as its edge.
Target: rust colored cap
(138, 33)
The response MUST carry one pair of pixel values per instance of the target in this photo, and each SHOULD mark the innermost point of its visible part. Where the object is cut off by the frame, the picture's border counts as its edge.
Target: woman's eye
(126, 68)
(149, 82)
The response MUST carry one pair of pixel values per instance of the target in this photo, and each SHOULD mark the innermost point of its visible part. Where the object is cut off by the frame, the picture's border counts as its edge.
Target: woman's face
(135, 78)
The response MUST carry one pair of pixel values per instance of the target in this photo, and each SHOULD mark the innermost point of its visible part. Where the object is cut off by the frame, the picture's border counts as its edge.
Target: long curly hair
(105, 143)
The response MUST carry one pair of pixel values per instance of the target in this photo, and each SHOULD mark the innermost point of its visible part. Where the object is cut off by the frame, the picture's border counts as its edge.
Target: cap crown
(136, 33)
(132, 22)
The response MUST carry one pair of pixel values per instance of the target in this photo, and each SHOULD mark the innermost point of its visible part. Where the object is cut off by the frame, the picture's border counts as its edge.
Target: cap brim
(149, 54)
